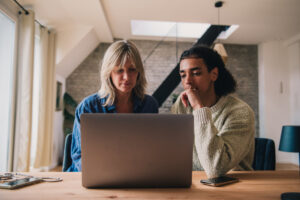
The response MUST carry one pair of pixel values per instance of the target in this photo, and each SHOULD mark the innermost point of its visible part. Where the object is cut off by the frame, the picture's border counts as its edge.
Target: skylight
(173, 29)
(225, 34)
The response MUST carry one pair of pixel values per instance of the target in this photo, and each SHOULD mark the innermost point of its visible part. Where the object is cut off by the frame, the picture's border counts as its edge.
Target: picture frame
(58, 106)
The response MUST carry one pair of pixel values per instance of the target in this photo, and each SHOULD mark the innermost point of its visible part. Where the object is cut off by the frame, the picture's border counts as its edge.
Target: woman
(223, 124)
(122, 90)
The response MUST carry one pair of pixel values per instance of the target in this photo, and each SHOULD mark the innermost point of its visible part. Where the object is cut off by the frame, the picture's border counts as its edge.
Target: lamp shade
(290, 139)
(290, 142)
(219, 47)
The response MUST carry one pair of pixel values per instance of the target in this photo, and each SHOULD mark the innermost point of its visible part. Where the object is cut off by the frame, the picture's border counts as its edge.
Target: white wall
(294, 65)
(58, 134)
(279, 79)
(73, 46)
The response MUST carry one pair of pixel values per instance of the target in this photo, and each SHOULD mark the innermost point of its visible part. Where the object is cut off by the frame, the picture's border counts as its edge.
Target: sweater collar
(218, 105)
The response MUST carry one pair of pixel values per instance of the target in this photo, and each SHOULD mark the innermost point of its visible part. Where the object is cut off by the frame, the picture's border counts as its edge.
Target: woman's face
(124, 79)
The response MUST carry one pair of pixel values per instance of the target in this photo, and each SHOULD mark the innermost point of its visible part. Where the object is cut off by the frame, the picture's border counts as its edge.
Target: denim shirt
(94, 104)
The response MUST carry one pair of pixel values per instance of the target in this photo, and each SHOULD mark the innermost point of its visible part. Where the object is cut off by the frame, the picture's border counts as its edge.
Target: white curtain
(24, 92)
(46, 95)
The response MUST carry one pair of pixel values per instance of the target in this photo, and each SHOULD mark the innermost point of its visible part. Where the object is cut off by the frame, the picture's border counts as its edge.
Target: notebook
(136, 150)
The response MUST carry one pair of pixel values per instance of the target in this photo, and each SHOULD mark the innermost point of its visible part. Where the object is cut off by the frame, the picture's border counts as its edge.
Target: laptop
(136, 150)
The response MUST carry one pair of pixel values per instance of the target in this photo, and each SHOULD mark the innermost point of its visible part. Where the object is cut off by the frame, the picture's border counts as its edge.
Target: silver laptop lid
(137, 150)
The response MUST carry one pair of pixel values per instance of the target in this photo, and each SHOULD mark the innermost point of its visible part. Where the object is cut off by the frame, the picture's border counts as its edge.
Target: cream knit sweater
(224, 136)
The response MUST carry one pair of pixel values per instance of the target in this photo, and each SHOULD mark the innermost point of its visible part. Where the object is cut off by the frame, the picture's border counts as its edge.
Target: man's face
(194, 74)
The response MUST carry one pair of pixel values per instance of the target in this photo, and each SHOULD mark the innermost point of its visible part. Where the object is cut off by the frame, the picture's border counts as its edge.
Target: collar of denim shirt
(137, 102)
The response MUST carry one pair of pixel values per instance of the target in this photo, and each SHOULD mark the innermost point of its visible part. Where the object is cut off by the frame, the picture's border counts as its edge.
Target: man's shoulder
(237, 105)
(236, 101)
(179, 108)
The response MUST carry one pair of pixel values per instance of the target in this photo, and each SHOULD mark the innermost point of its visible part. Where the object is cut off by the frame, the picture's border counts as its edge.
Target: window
(7, 82)
(175, 29)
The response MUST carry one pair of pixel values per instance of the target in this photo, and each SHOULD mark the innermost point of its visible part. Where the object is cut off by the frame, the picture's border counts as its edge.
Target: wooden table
(253, 185)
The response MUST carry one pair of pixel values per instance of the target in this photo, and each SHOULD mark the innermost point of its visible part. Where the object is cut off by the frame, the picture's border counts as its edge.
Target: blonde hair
(116, 55)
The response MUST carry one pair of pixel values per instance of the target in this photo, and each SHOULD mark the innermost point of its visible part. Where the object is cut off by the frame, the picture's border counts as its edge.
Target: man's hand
(191, 95)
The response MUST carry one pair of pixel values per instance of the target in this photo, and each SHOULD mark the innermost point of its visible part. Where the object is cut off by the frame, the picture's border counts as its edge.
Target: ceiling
(259, 20)
(82, 24)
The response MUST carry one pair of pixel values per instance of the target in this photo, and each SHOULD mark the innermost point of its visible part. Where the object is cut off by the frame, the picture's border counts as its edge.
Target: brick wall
(242, 63)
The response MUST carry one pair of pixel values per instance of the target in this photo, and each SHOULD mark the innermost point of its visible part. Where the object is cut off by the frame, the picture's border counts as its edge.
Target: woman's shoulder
(149, 104)
(91, 99)
(89, 103)
(149, 98)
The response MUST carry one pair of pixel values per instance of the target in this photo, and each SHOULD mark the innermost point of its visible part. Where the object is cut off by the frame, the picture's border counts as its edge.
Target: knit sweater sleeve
(221, 150)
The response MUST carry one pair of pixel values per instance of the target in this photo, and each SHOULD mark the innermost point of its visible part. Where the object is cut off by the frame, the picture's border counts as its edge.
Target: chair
(264, 156)
(67, 162)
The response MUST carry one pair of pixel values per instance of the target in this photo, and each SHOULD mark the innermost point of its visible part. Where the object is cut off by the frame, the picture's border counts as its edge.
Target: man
(223, 125)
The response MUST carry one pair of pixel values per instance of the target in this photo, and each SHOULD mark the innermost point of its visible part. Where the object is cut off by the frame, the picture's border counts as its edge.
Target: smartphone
(219, 181)
(19, 183)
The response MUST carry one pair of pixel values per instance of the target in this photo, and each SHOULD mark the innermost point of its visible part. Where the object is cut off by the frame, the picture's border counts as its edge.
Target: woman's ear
(214, 73)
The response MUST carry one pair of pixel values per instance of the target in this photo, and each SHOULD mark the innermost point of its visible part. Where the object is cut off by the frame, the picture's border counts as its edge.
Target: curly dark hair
(225, 83)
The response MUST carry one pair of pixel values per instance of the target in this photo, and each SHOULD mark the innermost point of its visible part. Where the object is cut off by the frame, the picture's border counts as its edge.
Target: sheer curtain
(24, 93)
(44, 106)
(46, 99)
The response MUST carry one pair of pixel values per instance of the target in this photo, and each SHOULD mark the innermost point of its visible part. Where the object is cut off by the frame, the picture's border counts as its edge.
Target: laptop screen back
(136, 150)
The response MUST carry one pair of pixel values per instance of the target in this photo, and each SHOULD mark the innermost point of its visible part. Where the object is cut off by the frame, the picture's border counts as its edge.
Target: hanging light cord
(218, 15)
(218, 4)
